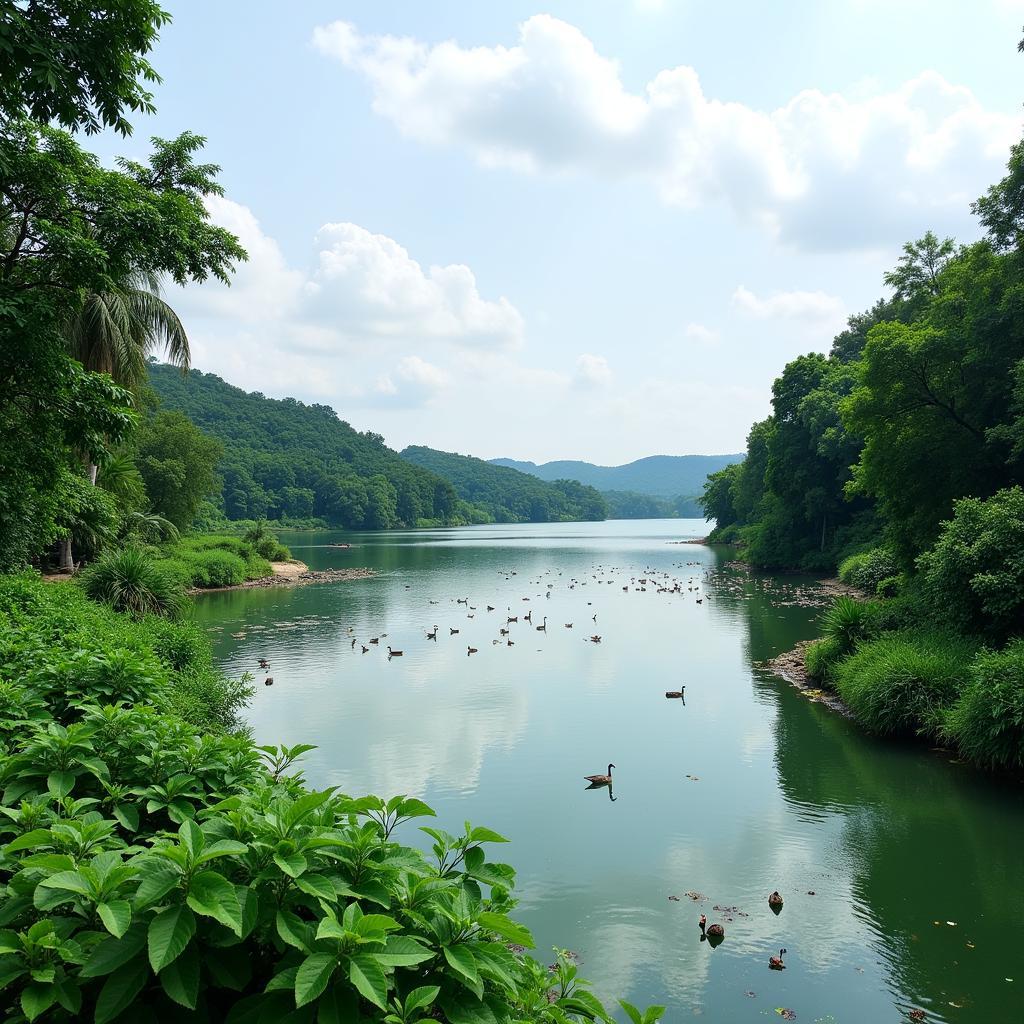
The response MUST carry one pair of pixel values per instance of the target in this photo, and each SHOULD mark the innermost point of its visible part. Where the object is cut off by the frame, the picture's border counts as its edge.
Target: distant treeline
(631, 505)
(508, 496)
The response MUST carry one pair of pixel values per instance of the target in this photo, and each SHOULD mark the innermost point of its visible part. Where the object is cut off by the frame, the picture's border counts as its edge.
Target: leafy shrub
(264, 543)
(821, 657)
(868, 569)
(131, 581)
(148, 870)
(974, 575)
(987, 722)
(901, 683)
(216, 561)
(890, 587)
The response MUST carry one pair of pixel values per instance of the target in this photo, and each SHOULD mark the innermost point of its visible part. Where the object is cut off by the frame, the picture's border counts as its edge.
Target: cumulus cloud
(413, 383)
(592, 372)
(361, 287)
(823, 171)
(700, 333)
(815, 309)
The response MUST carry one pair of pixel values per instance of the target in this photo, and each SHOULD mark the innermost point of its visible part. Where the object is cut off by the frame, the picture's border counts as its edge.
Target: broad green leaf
(312, 977)
(419, 998)
(485, 835)
(116, 916)
(212, 895)
(369, 979)
(413, 808)
(292, 864)
(158, 879)
(222, 848)
(633, 1013)
(170, 932)
(370, 924)
(338, 1005)
(121, 989)
(329, 928)
(60, 785)
(506, 928)
(37, 837)
(37, 998)
(112, 953)
(180, 979)
(294, 930)
(69, 995)
(192, 837)
(128, 816)
(317, 885)
(403, 951)
(70, 881)
(231, 968)
(283, 981)
(460, 959)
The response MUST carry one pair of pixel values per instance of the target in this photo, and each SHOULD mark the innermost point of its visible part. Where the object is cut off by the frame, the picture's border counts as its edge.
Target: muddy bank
(293, 574)
(790, 666)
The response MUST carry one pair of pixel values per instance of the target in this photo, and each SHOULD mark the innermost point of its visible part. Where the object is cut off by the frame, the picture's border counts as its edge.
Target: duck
(452, 631)
(511, 618)
(674, 693)
(490, 607)
(432, 636)
(511, 643)
(775, 900)
(595, 639)
(503, 632)
(366, 650)
(543, 628)
(353, 643)
(568, 625)
(600, 780)
(470, 650)
(263, 663)
(269, 681)
(374, 639)
(716, 931)
(395, 654)
(528, 618)
(775, 962)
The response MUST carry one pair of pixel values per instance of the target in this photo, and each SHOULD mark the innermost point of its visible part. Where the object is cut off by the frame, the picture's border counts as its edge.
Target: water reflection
(900, 871)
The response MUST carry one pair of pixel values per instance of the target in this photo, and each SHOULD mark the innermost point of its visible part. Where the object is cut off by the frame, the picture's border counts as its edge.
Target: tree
(717, 498)
(916, 276)
(177, 462)
(1001, 209)
(78, 62)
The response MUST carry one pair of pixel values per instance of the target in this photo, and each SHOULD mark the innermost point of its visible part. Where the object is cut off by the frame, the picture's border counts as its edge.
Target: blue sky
(588, 230)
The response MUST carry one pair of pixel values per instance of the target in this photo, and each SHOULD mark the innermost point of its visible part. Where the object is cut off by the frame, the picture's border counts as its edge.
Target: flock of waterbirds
(658, 581)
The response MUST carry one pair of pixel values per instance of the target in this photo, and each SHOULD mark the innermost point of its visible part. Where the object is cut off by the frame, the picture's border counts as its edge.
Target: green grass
(987, 722)
(821, 657)
(902, 684)
(218, 561)
(132, 581)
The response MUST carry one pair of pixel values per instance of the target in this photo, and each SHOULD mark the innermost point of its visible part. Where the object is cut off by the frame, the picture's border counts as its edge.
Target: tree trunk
(67, 563)
(824, 519)
(92, 473)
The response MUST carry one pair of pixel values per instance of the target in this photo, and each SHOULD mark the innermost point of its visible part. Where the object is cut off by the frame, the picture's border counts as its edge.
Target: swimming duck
(674, 693)
(269, 681)
(395, 654)
(775, 900)
(600, 780)
(451, 631)
(470, 650)
(775, 962)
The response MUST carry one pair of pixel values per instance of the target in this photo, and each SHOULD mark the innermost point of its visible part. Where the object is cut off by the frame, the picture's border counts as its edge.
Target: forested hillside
(662, 476)
(508, 496)
(283, 458)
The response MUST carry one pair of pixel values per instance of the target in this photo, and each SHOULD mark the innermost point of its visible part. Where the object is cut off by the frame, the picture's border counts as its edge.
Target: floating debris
(785, 1013)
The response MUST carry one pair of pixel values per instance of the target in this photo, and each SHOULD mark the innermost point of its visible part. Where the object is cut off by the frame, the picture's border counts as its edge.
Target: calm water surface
(915, 862)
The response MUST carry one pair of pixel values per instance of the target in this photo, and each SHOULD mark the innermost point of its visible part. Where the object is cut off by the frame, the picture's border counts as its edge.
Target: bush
(148, 870)
(845, 623)
(132, 581)
(821, 657)
(891, 586)
(866, 570)
(974, 575)
(987, 722)
(216, 561)
(901, 683)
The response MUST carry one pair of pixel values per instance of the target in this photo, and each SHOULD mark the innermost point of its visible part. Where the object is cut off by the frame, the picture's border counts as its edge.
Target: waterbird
(353, 643)
(543, 628)
(490, 607)
(470, 650)
(432, 636)
(511, 643)
(775, 962)
(511, 618)
(395, 654)
(374, 639)
(503, 632)
(595, 639)
(269, 681)
(366, 649)
(263, 663)
(775, 900)
(528, 618)
(451, 631)
(676, 693)
(600, 780)
(568, 625)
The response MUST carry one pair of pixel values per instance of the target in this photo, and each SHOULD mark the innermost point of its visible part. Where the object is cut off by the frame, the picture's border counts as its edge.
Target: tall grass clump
(132, 581)
(987, 722)
(902, 683)
(821, 657)
(845, 623)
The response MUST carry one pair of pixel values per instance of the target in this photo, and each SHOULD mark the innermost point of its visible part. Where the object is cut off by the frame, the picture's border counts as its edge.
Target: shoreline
(291, 574)
(789, 666)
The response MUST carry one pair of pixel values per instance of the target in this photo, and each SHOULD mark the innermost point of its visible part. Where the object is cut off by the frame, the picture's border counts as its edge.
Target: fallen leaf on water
(750, 995)
(970, 945)
(785, 1013)
(674, 899)
(952, 924)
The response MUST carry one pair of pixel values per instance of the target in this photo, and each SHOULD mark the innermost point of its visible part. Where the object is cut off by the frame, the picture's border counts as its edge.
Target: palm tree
(114, 331)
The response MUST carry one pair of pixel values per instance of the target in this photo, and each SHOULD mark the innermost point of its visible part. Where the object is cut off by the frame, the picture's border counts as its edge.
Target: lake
(901, 869)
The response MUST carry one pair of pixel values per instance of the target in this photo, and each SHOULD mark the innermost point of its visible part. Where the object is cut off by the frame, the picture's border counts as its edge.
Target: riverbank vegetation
(898, 458)
(154, 863)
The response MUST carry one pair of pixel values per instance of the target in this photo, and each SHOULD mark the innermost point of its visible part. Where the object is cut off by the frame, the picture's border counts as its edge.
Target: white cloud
(363, 287)
(413, 383)
(822, 171)
(592, 372)
(817, 309)
(700, 333)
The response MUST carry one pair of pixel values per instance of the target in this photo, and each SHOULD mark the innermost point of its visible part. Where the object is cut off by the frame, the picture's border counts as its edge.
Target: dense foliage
(508, 496)
(152, 872)
(632, 505)
(218, 561)
(282, 458)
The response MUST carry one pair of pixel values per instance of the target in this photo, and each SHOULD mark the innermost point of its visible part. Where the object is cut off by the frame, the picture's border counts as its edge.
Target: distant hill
(508, 495)
(285, 459)
(662, 476)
